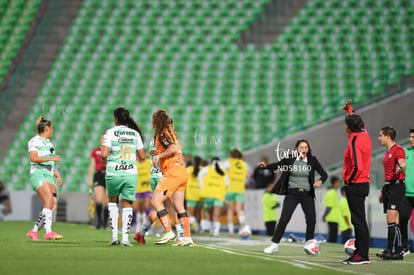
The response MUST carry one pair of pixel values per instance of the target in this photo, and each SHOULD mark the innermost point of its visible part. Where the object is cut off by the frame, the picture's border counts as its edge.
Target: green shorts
(211, 202)
(154, 179)
(231, 197)
(38, 177)
(194, 203)
(124, 185)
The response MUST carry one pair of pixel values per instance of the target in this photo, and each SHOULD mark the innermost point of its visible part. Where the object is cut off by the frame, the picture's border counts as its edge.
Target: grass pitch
(85, 250)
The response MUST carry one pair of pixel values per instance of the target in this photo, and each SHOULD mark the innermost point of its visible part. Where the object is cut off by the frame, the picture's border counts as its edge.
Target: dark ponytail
(123, 117)
(197, 162)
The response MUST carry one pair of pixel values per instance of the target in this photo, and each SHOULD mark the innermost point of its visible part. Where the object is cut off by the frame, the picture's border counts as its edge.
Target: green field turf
(85, 250)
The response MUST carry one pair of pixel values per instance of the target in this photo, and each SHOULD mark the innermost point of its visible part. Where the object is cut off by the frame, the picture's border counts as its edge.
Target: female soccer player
(213, 183)
(142, 203)
(97, 179)
(174, 177)
(42, 176)
(237, 172)
(193, 194)
(122, 146)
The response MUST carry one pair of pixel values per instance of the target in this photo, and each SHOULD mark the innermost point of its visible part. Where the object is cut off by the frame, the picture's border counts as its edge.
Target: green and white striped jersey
(154, 171)
(123, 142)
(44, 148)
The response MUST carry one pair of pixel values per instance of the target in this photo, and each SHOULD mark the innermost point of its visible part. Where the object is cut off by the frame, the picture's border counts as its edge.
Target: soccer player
(193, 194)
(332, 214)
(174, 177)
(122, 146)
(408, 205)
(213, 183)
(393, 192)
(43, 177)
(142, 203)
(237, 173)
(97, 179)
(345, 225)
(270, 202)
(355, 174)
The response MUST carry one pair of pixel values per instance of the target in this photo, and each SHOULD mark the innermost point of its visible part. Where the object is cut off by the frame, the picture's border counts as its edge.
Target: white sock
(113, 219)
(216, 228)
(47, 214)
(231, 227)
(39, 222)
(180, 231)
(138, 221)
(126, 223)
(145, 227)
(205, 225)
(192, 220)
(242, 220)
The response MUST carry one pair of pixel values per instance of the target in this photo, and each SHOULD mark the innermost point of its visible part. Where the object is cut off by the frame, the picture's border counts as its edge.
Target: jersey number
(125, 153)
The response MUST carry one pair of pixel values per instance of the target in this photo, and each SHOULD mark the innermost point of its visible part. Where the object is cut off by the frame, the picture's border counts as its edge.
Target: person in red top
(393, 192)
(174, 177)
(97, 178)
(356, 169)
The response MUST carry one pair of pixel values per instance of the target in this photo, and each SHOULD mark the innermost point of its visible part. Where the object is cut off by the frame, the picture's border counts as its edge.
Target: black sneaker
(381, 254)
(393, 256)
(358, 260)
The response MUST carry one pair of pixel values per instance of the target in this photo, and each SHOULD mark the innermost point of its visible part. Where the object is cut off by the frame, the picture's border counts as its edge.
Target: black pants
(407, 207)
(332, 232)
(356, 194)
(270, 228)
(292, 199)
(346, 235)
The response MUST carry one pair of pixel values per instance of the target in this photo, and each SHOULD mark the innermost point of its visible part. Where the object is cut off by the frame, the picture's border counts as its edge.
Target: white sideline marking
(246, 254)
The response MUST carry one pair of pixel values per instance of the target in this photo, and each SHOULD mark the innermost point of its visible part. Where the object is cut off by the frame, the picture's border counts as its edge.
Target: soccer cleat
(139, 238)
(114, 242)
(358, 260)
(271, 249)
(53, 236)
(166, 238)
(393, 256)
(187, 241)
(127, 243)
(32, 235)
(180, 242)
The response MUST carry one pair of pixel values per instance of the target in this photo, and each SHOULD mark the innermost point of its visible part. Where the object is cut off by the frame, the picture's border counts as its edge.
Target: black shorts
(392, 196)
(99, 179)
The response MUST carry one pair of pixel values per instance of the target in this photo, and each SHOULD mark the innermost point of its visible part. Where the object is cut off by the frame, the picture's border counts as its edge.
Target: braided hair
(123, 117)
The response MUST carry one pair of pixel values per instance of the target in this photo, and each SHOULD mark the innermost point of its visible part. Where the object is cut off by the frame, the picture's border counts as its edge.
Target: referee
(393, 192)
(97, 179)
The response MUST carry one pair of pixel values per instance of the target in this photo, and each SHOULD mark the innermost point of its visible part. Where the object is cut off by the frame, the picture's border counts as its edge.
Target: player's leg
(230, 212)
(239, 210)
(128, 197)
(99, 204)
(216, 217)
(45, 193)
(113, 190)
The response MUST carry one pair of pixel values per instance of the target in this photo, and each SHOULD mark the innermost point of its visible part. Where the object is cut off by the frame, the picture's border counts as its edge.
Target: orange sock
(165, 221)
(185, 221)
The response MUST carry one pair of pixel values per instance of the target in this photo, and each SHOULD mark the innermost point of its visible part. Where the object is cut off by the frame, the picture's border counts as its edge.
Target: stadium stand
(180, 55)
(15, 17)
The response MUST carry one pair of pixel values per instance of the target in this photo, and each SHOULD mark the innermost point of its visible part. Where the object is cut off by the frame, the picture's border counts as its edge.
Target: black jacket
(284, 165)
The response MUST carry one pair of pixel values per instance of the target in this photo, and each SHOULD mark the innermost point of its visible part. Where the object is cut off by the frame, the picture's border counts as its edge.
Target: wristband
(90, 192)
